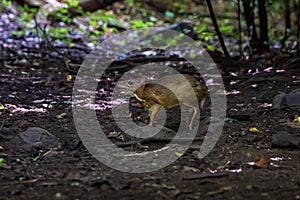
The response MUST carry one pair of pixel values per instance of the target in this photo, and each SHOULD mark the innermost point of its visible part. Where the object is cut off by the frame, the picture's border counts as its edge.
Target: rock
(290, 99)
(285, 139)
(185, 28)
(293, 98)
(34, 139)
(278, 100)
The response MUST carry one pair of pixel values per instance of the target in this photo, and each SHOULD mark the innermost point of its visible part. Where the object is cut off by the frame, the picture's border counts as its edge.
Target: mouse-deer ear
(142, 83)
(143, 80)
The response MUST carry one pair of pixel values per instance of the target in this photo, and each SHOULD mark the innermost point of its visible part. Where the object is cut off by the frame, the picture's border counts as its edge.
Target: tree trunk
(214, 20)
(263, 25)
(288, 27)
(248, 13)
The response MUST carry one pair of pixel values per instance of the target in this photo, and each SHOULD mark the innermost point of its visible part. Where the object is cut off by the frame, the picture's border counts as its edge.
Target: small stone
(285, 139)
(34, 139)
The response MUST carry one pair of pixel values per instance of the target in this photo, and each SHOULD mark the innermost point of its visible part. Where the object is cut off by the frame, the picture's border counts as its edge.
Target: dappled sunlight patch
(23, 109)
(102, 104)
(234, 92)
(233, 82)
(265, 105)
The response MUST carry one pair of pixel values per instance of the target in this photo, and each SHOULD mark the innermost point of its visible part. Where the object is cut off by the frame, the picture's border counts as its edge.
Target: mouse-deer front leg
(154, 109)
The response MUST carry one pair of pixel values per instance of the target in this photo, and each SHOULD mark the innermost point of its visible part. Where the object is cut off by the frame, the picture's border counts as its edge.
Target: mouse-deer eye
(130, 82)
(143, 79)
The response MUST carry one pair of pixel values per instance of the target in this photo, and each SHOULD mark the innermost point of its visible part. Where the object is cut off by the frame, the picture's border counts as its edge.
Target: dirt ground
(243, 165)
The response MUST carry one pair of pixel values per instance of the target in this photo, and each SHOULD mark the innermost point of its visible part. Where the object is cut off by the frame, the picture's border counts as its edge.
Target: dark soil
(71, 172)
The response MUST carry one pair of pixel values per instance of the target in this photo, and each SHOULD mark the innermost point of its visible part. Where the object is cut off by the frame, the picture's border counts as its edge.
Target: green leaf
(63, 11)
(121, 137)
(6, 3)
(72, 3)
(178, 154)
(192, 55)
(37, 157)
(227, 29)
(122, 42)
(152, 19)
(210, 47)
(169, 14)
(97, 32)
(130, 3)
(1, 161)
(93, 23)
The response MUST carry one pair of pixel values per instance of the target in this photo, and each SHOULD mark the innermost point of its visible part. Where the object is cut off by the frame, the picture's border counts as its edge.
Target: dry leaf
(254, 130)
(262, 162)
(297, 119)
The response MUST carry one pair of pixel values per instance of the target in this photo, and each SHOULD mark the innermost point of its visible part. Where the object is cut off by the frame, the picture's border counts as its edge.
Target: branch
(214, 20)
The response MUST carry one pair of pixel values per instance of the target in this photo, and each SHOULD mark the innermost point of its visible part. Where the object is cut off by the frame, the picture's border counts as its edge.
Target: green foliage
(152, 19)
(19, 33)
(101, 22)
(122, 42)
(1, 161)
(174, 40)
(30, 10)
(169, 14)
(137, 7)
(37, 157)
(5, 3)
(138, 23)
(130, 3)
(27, 14)
(103, 19)
(64, 14)
(121, 137)
(72, 3)
(192, 55)
(58, 33)
(276, 5)
(136, 14)
(26, 18)
(227, 29)
(181, 6)
(204, 33)
(210, 47)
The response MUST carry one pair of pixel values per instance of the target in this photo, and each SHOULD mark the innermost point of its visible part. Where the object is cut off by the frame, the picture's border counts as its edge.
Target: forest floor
(246, 164)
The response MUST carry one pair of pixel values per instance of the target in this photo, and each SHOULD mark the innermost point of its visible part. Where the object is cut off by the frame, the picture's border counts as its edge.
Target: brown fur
(154, 95)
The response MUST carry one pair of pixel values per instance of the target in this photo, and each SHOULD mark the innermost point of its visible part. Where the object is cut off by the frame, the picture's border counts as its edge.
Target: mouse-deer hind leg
(154, 109)
(195, 110)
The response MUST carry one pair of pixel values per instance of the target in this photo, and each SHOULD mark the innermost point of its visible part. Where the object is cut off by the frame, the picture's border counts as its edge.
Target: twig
(202, 176)
(240, 28)
(298, 28)
(156, 139)
(43, 30)
(215, 23)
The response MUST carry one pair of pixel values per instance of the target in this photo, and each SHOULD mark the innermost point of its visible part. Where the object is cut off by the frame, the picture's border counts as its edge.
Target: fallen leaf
(221, 190)
(69, 77)
(113, 134)
(62, 115)
(262, 162)
(254, 130)
(1, 161)
(297, 119)
(178, 154)
(121, 137)
(190, 169)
